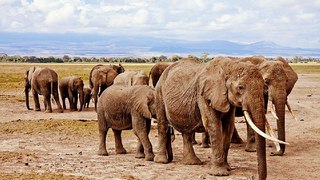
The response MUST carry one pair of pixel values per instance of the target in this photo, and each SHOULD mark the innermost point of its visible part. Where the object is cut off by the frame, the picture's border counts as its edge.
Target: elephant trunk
(26, 91)
(81, 99)
(256, 110)
(279, 104)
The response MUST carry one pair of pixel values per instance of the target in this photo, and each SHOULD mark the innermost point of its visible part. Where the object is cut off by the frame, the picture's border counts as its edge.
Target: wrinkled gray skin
(157, 70)
(279, 79)
(101, 77)
(205, 96)
(72, 88)
(124, 107)
(42, 81)
(87, 97)
(132, 78)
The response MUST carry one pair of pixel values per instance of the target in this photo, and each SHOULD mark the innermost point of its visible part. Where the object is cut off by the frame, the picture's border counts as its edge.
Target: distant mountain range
(99, 45)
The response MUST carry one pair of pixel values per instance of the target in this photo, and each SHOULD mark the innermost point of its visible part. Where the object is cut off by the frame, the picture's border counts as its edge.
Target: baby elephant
(87, 97)
(71, 87)
(127, 107)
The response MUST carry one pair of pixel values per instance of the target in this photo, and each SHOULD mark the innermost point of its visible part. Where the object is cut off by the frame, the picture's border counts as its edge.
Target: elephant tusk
(257, 130)
(272, 134)
(273, 112)
(290, 110)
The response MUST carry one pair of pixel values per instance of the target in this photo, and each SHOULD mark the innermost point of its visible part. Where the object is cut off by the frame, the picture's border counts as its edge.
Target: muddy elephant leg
(139, 150)
(118, 142)
(36, 100)
(250, 146)
(56, 98)
(141, 130)
(205, 140)
(236, 139)
(189, 156)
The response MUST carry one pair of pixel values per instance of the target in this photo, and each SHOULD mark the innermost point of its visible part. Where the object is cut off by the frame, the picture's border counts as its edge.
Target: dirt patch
(38, 145)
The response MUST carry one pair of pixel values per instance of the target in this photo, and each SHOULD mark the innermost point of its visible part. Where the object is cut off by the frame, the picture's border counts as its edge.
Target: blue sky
(293, 23)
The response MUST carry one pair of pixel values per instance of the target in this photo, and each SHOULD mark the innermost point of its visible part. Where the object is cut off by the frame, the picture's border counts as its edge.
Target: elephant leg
(47, 103)
(75, 101)
(102, 146)
(161, 156)
(250, 146)
(205, 140)
(236, 139)
(63, 99)
(194, 138)
(139, 150)
(118, 142)
(189, 156)
(218, 147)
(141, 129)
(56, 98)
(36, 100)
(227, 131)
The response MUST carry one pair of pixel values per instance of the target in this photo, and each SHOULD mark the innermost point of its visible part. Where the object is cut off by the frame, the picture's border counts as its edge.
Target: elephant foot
(37, 109)
(121, 151)
(103, 152)
(60, 110)
(189, 160)
(139, 155)
(277, 153)
(161, 159)
(149, 157)
(250, 147)
(48, 111)
(221, 170)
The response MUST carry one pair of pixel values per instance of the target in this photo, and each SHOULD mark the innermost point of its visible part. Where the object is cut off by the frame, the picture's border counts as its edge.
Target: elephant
(279, 79)
(71, 87)
(132, 78)
(198, 97)
(124, 107)
(87, 97)
(100, 78)
(157, 70)
(42, 81)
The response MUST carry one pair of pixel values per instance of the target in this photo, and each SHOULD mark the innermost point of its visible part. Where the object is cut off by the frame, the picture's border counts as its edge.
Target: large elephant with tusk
(279, 80)
(194, 97)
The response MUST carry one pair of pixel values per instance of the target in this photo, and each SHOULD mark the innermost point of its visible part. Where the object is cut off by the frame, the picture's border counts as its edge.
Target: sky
(292, 23)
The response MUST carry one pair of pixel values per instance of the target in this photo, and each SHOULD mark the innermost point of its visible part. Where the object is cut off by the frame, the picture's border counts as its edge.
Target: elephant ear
(213, 88)
(71, 84)
(30, 72)
(140, 104)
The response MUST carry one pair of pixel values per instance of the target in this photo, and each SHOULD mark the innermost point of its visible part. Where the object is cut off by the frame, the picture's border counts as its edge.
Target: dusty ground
(65, 145)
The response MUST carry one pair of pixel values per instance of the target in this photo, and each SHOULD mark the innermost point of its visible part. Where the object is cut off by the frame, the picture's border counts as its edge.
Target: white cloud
(241, 21)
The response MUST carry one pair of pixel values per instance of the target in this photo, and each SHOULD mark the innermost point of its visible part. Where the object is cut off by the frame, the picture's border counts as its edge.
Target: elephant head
(27, 78)
(279, 79)
(101, 78)
(140, 78)
(119, 69)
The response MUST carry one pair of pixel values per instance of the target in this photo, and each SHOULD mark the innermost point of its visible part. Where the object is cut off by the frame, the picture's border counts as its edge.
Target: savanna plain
(39, 145)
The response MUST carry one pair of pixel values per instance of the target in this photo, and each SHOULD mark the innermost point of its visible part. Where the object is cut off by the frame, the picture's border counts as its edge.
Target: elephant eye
(240, 89)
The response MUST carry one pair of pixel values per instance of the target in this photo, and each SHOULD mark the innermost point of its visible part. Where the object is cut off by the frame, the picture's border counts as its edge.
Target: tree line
(68, 59)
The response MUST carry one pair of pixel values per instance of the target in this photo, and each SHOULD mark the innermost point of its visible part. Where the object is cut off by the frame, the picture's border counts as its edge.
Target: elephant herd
(188, 96)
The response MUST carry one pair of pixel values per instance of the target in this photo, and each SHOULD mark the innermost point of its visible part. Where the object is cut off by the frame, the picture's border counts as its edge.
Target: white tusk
(290, 110)
(272, 134)
(273, 112)
(257, 130)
